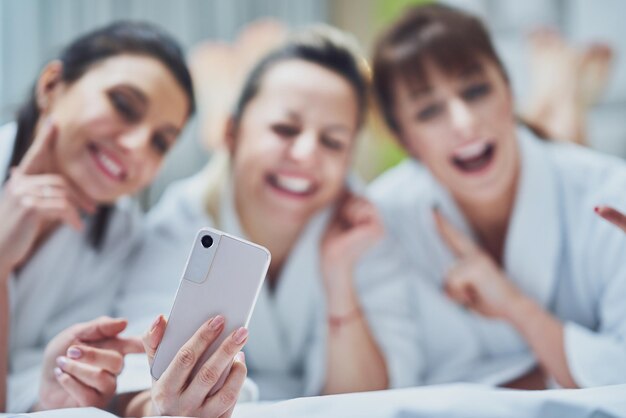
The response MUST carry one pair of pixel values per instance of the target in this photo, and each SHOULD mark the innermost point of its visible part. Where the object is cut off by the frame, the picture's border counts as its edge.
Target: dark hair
(322, 45)
(452, 40)
(124, 37)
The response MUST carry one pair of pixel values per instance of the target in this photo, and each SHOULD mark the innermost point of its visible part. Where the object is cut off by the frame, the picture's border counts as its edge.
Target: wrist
(520, 309)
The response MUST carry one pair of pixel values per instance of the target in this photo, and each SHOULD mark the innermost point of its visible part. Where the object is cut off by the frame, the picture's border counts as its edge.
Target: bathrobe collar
(533, 241)
(291, 307)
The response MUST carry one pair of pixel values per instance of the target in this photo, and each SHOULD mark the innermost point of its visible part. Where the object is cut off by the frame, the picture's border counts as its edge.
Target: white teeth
(294, 184)
(470, 151)
(110, 165)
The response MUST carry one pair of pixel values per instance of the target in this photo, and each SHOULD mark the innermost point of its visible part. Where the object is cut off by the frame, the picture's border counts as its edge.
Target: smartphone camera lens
(206, 241)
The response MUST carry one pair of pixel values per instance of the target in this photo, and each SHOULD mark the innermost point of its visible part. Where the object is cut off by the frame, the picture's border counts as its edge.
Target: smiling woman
(496, 218)
(328, 316)
(95, 130)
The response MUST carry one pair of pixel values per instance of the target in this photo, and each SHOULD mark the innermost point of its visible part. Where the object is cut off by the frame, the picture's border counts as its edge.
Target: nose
(303, 148)
(462, 118)
(135, 139)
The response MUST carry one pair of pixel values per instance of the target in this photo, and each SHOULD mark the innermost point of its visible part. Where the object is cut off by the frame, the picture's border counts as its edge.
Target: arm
(478, 283)
(544, 333)
(355, 362)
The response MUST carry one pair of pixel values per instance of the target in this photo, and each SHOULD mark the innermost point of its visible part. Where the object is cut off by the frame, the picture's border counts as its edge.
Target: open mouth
(107, 163)
(474, 158)
(294, 186)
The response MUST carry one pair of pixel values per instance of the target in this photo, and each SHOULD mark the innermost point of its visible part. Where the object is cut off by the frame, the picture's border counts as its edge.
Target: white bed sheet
(449, 401)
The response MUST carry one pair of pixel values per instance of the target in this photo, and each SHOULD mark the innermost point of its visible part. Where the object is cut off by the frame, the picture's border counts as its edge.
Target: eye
(124, 106)
(331, 143)
(476, 92)
(285, 130)
(160, 144)
(429, 112)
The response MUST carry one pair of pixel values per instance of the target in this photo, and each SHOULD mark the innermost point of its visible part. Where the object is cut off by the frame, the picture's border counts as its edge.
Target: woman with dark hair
(333, 315)
(497, 218)
(95, 130)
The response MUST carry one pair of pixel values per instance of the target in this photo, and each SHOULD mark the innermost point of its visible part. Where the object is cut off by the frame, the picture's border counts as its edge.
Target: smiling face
(462, 128)
(115, 124)
(293, 147)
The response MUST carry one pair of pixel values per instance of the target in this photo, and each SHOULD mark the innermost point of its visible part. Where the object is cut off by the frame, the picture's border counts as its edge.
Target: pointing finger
(458, 243)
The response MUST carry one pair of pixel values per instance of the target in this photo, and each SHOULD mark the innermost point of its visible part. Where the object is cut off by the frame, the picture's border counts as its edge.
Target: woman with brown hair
(500, 220)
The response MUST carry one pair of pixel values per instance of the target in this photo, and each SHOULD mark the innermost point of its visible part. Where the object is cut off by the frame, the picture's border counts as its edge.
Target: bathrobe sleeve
(597, 356)
(383, 277)
(152, 274)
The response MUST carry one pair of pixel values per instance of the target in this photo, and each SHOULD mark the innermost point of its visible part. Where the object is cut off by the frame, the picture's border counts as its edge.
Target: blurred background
(542, 42)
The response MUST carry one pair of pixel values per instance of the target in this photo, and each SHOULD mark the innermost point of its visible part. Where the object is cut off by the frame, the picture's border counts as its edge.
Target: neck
(267, 229)
(489, 219)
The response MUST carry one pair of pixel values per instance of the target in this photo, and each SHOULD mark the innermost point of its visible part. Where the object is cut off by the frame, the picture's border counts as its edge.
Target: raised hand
(612, 215)
(179, 391)
(355, 228)
(475, 281)
(81, 364)
(34, 198)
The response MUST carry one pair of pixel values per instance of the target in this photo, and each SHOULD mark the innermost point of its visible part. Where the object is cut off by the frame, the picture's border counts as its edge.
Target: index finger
(458, 243)
(38, 158)
(101, 329)
(129, 345)
(612, 215)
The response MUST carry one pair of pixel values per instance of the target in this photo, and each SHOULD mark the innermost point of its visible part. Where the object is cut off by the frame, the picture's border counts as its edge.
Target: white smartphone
(223, 275)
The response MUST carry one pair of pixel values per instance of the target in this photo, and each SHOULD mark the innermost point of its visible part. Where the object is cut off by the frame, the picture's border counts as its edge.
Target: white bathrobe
(557, 251)
(66, 281)
(286, 350)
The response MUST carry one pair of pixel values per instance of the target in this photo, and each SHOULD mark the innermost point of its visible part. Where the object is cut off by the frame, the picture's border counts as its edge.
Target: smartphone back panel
(223, 279)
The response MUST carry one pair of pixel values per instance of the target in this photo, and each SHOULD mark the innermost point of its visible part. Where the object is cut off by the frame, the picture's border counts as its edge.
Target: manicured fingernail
(155, 324)
(597, 209)
(74, 352)
(240, 335)
(61, 361)
(240, 357)
(216, 322)
(58, 372)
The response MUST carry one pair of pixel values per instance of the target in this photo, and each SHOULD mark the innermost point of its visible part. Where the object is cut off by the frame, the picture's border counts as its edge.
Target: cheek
(335, 172)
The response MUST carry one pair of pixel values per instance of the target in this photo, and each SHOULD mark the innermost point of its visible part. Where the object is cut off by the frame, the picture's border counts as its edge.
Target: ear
(49, 80)
(230, 135)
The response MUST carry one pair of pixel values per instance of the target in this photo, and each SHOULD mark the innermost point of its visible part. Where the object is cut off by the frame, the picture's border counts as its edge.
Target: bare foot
(219, 70)
(596, 62)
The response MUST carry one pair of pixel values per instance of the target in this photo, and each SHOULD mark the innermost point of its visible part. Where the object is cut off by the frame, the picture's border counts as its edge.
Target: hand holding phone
(178, 392)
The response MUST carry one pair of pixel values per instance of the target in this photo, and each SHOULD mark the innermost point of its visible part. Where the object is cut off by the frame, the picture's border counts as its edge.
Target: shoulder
(400, 187)
(587, 178)
(180, 209)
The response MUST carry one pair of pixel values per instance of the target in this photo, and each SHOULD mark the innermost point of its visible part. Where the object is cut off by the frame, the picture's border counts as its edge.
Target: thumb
(38, 158)
(101, 328)
(153, 337)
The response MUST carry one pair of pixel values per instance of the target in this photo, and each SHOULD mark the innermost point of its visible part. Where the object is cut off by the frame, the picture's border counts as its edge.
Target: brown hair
(452, 40)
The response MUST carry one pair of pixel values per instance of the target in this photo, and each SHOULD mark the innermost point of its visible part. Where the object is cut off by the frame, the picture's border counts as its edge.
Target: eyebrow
(419, 92)
(340, 128)
(472, 71)
(137, 93)
(171, 130)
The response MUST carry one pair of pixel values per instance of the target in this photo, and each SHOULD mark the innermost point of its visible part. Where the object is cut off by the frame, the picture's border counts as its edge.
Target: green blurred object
(385, 152)
(388, 10)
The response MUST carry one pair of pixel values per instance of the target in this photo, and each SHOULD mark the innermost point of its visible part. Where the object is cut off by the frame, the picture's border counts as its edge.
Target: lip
(107, 163)
(277, 182)
(475, 158)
